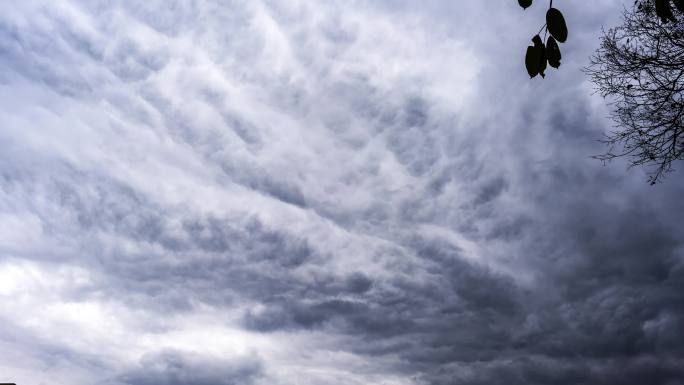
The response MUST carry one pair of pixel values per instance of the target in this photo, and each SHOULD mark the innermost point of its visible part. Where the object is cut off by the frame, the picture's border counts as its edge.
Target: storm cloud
(304, 192)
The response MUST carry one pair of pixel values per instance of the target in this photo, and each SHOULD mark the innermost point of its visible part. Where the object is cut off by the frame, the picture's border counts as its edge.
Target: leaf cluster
(539, 54)
(663, 9)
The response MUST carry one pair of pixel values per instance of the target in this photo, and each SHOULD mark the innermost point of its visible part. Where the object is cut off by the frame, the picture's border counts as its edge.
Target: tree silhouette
(639, 67)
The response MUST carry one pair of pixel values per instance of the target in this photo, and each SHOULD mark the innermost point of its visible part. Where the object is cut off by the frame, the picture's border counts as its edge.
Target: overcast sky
(206, 192)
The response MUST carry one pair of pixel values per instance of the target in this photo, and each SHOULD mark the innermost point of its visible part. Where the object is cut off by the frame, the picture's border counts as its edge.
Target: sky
(316, 192)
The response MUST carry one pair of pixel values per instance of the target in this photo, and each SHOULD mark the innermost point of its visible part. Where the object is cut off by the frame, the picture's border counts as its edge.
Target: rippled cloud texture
(321, 192)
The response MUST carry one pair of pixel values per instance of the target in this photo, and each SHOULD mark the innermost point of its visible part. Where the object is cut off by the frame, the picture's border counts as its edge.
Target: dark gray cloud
(281, 193)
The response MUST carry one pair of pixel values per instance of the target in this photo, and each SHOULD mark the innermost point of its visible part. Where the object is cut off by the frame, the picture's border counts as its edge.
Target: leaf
(541, 54)
(532, 61)
(555, 22)
(553, 53)
(525, 3)
(664, 11)
(680, 5)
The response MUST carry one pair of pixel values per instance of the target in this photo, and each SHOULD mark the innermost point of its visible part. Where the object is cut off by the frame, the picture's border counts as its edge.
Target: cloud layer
(342, 192)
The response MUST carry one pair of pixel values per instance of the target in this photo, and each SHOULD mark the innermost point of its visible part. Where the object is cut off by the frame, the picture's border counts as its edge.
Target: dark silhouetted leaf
(537, 40)
(664, 11)
(541, 54)
(525, 3)
(680, 5)
(553, 53)
(532, 61)
(555, 22)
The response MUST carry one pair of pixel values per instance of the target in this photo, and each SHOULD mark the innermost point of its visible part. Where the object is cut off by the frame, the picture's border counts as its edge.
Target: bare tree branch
(639, 68)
